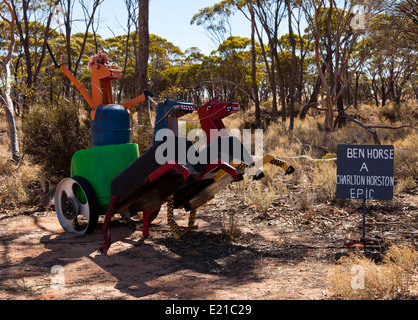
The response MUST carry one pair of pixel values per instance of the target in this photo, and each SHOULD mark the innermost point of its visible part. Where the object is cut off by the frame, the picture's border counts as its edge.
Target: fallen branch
(309, 158)
(368, 128)
(393, 128)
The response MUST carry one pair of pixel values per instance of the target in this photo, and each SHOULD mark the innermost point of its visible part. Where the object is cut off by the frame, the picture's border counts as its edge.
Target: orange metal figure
(101, 77)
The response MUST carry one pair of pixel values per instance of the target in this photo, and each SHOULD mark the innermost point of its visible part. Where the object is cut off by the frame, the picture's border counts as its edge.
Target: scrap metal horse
(205, 169)
(200, 191)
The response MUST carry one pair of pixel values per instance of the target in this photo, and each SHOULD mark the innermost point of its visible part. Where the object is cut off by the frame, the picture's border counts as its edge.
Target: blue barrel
(111, 125)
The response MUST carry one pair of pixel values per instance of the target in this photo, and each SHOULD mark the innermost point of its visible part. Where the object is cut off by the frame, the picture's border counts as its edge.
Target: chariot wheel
(135, 217)
(76, 205)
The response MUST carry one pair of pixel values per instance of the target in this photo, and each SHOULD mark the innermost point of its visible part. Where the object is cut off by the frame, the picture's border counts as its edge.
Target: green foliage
(52, 135)
(226, 73)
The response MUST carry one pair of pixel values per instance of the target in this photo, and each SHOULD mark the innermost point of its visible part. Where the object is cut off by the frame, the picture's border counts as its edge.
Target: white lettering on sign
(360, 193)
(362, 153)
(364, 167)
(355, 153)
(376, 181)
(365, 172)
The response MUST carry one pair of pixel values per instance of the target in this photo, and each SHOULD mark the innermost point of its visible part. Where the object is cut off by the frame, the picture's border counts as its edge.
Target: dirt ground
(236, 253)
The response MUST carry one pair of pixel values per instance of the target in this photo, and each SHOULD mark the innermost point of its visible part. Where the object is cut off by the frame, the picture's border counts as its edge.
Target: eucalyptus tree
(74, 53)
(216, 20)
(143, 44)
(336, 36)
(393, 69)
(32, 21)
(266, 18)
(7, 15)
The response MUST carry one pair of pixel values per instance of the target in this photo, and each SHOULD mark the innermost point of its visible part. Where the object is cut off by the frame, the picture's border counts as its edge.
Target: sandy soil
(281, 254)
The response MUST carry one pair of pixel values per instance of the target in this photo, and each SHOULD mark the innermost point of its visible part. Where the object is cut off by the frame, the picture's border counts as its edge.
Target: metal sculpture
(200, 191)
(111, 177)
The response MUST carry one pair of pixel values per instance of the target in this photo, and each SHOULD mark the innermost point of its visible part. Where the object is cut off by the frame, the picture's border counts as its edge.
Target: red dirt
(281, 254)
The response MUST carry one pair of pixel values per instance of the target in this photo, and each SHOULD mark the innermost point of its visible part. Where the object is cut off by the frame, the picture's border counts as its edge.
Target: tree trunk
(383, 91)
(375, 91)
(314, 95)
(143, 45)
(339, 121)
(329, 118)
(271, 77)
(14, 142)
(254, 69)
(268, 14)
(143, 50)
(294, 69)
(356, 90)
(131, 17)
(282, 90)
(89, 22)
(33, 65)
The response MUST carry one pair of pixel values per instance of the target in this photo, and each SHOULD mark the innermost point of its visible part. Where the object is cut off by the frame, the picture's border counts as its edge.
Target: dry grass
(406, 156)
(230, 226)
(358, 278)
(16, 181)
(404, 185)
(315, 179)
(261, 194)
(309, 139)
(324, 181)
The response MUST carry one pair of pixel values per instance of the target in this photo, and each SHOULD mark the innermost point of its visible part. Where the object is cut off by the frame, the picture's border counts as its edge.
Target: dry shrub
(235, 121)
(260, 194)
(358, 278)
(12, 192)
(240, 187)
(308, 133)
(276, 140)
(324, 180)
(391, 112)
(406, 157)
(229, 225)
(404, 184)
(305, 202)
(6, 165)
(404, 112)
(52, 135)
(17, 182)
(272, 174)
(350, 133)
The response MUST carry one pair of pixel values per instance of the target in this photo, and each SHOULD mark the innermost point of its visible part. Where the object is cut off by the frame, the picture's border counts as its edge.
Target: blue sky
(169, 19)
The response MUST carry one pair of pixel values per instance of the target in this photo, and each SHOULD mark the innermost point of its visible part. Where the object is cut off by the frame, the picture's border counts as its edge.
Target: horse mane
(100, 57)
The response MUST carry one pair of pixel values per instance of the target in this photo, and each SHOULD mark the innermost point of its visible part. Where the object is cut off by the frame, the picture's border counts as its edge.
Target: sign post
(365, 172)
(364, 218)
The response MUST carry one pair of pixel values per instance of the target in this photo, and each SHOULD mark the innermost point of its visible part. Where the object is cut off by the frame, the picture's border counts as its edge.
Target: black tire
(74, 215)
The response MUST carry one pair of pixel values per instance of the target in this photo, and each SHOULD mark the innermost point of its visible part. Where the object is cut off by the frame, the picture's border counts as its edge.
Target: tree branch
(368, 128)
(393, 128)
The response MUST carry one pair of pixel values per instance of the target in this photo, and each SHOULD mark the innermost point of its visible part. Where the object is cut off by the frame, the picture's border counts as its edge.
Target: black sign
(365, 171)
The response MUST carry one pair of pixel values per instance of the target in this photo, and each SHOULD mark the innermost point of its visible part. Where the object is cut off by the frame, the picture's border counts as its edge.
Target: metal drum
(111, 125)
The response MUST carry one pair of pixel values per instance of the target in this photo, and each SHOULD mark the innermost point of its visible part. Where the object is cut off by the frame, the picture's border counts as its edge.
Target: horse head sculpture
(168, 112)
(211, 115)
